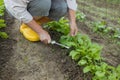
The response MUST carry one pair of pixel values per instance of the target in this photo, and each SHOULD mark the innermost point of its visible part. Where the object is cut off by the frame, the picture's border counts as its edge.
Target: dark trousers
(54, 9)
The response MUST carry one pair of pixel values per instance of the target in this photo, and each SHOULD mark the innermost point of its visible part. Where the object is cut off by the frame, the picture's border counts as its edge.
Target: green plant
(2, 22)
(87, 54)
(61, 26)
(3, 35)
(114, 1)
(80, 16)
(101, 26)
(116, 33)
(1, 8)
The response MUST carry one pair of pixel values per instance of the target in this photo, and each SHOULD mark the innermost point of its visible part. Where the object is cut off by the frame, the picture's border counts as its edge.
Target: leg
(58, 9)
(39, 7)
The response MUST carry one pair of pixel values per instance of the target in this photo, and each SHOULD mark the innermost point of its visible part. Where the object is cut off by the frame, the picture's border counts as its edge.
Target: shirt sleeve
(18, 8)
(72, 4)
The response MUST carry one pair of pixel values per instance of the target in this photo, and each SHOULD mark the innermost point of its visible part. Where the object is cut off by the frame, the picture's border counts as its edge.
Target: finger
(71, 33)
(45, 41)
(49, 40)
(76, 31)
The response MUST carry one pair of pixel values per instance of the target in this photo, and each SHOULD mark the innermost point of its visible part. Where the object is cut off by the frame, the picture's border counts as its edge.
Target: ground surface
(101, 10)
(24, 60)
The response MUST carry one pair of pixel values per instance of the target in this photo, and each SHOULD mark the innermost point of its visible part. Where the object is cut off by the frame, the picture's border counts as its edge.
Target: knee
(61, 10)
(38, 7)
(58, 10)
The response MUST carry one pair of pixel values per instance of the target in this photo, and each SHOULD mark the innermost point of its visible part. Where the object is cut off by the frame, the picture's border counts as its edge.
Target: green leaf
(3, 35)
(118, 68)
(82, 62)
(70, 44)
(87, 69)
(112, 77)
(118, 71)
(61, 26)
(80, 16)
(104, 66)
(75, 55)
(2, 21)
(100, 74)
(2, 25)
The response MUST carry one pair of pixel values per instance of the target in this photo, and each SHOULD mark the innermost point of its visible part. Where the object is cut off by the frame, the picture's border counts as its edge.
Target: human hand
(73, 29)
(45, 37)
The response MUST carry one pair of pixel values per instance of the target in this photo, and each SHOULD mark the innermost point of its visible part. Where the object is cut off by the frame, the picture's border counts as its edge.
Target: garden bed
(24, 60)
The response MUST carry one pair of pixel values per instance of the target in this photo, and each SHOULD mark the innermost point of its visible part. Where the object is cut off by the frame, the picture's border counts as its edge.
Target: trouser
(54, 9)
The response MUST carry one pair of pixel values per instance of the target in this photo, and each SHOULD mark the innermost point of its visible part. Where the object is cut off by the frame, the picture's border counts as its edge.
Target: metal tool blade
(54, 42)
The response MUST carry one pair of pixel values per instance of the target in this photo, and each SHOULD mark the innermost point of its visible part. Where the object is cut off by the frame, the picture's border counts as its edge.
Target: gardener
(28, 11)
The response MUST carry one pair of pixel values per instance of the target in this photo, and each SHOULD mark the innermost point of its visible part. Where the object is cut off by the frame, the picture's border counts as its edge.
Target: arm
(18, 8)
(72, 5)
(73, 26)
(44, 36)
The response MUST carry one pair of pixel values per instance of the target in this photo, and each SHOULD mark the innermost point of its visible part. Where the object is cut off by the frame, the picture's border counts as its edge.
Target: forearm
(72, 16)
(73, 26)
(35, 26)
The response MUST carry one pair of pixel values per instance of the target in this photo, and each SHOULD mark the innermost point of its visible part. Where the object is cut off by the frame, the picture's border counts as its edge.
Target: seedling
(2, 22)
(85, 52)
(80, 16)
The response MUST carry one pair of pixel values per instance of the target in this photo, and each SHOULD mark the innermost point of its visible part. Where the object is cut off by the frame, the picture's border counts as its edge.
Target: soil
(101, 11)
(24, 60)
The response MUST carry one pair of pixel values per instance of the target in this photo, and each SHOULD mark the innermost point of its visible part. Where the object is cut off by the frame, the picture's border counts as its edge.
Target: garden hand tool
(54, 42)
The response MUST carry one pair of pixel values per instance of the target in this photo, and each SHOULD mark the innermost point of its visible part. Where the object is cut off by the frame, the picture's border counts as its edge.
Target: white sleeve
(72, 4)
(18, 8)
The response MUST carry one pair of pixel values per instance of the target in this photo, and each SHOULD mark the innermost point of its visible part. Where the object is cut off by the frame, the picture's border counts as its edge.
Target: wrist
(40, 31)
(73, 23)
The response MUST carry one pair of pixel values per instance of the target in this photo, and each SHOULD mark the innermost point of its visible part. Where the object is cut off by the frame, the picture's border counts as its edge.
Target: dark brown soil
(24, 60)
